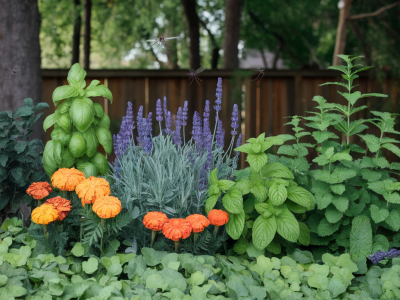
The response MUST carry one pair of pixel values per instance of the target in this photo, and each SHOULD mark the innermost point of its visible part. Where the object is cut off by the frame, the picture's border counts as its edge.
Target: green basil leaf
(100, 162)
(58, 134)
(63, 92)
(77, 144)
(64, 122)
(98, 110)
(67, 159)
(104, 122)
(76, 76)
(105, 139)
(100, 90)
(48, 122)
(82, 113)
(88, 169)
(91, 141)
(49, 164)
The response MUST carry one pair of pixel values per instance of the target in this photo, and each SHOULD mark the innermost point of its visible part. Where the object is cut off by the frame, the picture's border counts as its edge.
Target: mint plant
(273, 204)
(79, 127)
(357, 199)
(20, 159)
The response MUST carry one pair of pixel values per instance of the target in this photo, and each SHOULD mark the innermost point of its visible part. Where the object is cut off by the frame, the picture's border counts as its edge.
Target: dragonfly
(259, 72)
(193, 74)
(13, 72)
(161, 42)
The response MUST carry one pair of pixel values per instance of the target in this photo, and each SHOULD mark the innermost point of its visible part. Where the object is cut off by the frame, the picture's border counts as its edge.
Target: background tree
(20, 48)
(76, 39)
(194, 34)
(87, 16)
(233, 11)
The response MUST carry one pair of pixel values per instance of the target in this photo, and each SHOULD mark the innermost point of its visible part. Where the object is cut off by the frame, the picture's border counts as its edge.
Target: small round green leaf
(77, 144)
(78, 250)
(90, 266)
(91, 141)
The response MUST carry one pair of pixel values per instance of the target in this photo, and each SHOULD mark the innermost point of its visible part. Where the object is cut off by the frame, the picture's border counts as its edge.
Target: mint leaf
(210, 202)
(378, 215)
(326, 229)
(225, 185)
(361, 236)
(338, 188)
(257, 161)
(372, 142)
(301, 196)
(235, 225)
(304, 237)
(394, 220)
(321, 136)
(263, 231)
(233, 201)
(392, 148)
(277, 194)
(287, 226)
(333, 215)
(277, 170)
(259, 191)
(214, 176)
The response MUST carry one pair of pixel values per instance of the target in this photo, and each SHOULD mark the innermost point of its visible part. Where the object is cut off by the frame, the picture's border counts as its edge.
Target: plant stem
(176, 246)
(215, 230)
(46, 236)
(195, 236)
(153, 237)
(103, 221)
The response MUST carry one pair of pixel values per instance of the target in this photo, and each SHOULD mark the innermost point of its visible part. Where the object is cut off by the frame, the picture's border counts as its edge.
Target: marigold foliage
(67, 179)
(155, 220)
(218, 217)
(177, 229)
(91, 189)
(44, 214)
(107, 207)
(39, 190)
(198, 222)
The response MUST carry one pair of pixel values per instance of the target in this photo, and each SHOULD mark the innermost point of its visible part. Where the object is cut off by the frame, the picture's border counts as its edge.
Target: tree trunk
(194, 32)
(87, 15)
(361, 40)
(341, 33)
(233, 10)
(77, 32)
(20, 49)
(215, 58)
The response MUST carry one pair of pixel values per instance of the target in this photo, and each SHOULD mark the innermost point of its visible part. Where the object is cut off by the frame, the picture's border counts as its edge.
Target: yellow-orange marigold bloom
(198, 222)
(176, 229)
(218, 217)
(39, 190)
(91, 189)
(67, 179)
(63, 206)
(44, 214)
(155, 220)
(107, 207)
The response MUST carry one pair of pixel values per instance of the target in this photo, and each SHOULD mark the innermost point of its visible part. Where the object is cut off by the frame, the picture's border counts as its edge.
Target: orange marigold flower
(39, 190)
(155, 220)
(107, 207)
(91, 189)
(176, 229)
(198, 222)
(218, 217)
(67, 179)
(44, 214)
(63, 206)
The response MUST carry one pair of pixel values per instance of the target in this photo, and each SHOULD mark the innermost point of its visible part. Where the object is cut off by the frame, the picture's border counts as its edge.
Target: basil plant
(79, 127)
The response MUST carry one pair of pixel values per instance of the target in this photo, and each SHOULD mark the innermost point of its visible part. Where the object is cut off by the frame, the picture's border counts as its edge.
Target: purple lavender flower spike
(238, 143)
(159, 111)
(207, 136)
(218, 102)
(140, 128)
(165, 107)
(178, 123)
(235, 120)
(184, 113)
(147, 140)
(149, 124)
(115, 145)
(220, 136)
(197, 132)
(380, 255)
(168, 123)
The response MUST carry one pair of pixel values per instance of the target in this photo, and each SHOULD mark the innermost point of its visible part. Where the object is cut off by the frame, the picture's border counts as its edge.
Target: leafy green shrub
(272, 200)
(20, 159)
(79, 127)
(26, 274)
(357, 199)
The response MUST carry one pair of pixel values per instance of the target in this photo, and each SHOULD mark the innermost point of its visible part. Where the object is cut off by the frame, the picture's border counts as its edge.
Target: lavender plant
(168, 172)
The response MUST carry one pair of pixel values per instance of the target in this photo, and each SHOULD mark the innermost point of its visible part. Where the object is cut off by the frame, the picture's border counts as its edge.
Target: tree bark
(87, 16)
(341, 32)
(233, 9)
(20, 48)
(194, 32)
(77, 32)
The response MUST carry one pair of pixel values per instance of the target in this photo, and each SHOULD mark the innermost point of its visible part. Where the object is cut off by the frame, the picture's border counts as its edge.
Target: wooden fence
(263, 103)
